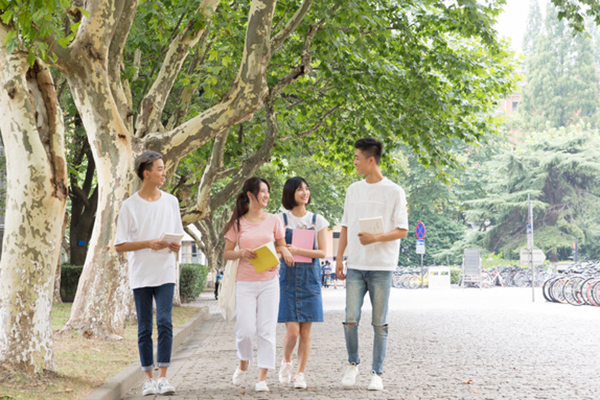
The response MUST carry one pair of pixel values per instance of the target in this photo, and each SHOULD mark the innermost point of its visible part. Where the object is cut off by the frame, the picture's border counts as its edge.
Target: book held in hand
(266, 257)
(373, 226)
(169, 238)
(303, 239)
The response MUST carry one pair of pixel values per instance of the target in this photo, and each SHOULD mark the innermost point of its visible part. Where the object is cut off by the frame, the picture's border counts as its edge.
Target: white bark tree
(33, 134)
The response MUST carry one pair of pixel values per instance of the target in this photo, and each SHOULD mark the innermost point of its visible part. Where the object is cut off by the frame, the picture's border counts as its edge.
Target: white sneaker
(149, 387)
(261, 386)
(285, 372)
(164, 387)
(299, 381)
(350, 375)
(376, 382)
(238, 377)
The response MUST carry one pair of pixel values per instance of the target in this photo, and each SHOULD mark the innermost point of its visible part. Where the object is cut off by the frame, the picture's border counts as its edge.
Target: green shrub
(455, 273)
(192, 281)
(69, 278)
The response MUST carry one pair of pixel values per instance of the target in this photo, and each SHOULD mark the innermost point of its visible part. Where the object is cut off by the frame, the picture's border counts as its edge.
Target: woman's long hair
(242, 202)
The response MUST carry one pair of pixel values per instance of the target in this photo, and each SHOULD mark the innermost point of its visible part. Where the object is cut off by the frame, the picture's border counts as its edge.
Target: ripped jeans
(378, 284)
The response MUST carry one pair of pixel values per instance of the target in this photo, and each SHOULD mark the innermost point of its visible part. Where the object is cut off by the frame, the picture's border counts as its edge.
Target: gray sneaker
(149, 387)
(164, 387)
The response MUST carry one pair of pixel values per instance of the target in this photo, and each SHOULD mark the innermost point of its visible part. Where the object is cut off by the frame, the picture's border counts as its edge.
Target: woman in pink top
(257, 295)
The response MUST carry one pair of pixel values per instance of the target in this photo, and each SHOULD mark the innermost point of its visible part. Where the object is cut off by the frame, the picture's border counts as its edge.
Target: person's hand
(292, 249)
(366, 238)
(287, 256)
(175, 247)
(339, 270)
(157, 244)
(248, 254)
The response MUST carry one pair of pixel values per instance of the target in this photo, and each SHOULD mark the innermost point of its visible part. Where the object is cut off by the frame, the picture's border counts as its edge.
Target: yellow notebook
(266, 257)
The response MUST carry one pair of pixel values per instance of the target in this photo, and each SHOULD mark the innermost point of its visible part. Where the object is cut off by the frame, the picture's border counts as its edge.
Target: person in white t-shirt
(143, 219)
(371, 258)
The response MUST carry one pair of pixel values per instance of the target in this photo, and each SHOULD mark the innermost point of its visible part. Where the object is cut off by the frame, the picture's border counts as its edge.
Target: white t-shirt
(369, 200)
(304, 222)
(141, 220)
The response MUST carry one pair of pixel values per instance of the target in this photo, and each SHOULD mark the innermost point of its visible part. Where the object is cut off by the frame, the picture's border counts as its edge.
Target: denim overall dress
(300, 287)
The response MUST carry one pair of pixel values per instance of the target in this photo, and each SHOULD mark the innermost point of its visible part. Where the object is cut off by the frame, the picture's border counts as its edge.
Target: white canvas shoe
(238, 377)
(376, 382)
(299, 381)
(149, 387)
(285, 372)
(350, 375)
(261, 386)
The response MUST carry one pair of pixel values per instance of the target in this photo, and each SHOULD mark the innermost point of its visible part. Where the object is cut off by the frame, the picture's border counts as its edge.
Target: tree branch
(281, 36)
(153, 104)
(246, 95)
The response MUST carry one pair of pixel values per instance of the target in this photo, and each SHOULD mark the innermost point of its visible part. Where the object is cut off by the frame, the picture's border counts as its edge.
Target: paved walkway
(443, 344)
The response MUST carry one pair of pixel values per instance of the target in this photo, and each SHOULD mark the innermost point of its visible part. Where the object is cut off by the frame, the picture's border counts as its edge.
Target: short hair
(289, 191)
(370, 148)
(144, 162)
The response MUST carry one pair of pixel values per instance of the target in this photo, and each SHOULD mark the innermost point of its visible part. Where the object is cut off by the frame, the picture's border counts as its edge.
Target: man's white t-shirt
(141, 220)
(304, 222)
(369, 200)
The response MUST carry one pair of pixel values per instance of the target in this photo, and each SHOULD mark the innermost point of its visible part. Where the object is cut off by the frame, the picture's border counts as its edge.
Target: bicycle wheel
(546, 289)
(397, 281)
(521, 279)
(572, 291)
(556, 290)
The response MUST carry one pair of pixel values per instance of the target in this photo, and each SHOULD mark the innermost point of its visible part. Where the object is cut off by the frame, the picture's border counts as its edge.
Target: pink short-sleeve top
(252, 236)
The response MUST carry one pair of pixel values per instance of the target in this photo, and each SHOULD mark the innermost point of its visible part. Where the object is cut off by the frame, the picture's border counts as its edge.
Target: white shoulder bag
(227, 290)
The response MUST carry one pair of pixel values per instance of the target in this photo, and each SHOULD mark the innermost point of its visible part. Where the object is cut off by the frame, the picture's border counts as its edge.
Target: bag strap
(285, 221)
(314, 219)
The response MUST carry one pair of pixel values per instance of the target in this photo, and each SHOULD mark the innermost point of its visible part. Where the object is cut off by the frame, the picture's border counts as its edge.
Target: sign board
(420, 246)
(529, 237)
(420, 230)
(538, 257)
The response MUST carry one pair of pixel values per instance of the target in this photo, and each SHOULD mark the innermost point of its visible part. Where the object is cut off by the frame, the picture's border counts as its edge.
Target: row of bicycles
(505, 276)
(578, 285)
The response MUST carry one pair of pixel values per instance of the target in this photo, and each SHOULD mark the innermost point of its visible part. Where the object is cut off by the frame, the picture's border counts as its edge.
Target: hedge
(192, 281)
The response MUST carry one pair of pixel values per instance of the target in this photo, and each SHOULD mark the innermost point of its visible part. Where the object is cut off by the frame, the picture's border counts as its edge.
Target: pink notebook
(304, 239)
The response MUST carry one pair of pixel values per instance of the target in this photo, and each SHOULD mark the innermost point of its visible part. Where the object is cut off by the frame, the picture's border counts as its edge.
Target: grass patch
(82, 365)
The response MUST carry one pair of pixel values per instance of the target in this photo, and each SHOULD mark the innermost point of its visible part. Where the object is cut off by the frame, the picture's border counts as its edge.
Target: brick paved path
(445, 344)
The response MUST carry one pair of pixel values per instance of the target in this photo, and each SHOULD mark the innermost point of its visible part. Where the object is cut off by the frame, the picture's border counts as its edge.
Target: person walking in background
(300, 301)
(218, 279)
(371, 258)
(143, 219)
(256, 294)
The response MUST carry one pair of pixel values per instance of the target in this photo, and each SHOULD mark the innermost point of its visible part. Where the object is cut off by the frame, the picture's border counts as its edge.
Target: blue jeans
(163, 295)
(378, 284)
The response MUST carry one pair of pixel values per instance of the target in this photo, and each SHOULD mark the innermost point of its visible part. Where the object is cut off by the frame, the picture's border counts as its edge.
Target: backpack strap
(285, 221)
(314, 219)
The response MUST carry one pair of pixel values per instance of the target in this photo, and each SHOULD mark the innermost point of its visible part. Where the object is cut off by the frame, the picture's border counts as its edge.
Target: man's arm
(368, 238)
(339, 264)
(154, 244)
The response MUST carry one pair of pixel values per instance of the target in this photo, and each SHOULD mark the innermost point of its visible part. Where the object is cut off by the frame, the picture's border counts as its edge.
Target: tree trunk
(33, 133)
(103, 297)
(57, 275)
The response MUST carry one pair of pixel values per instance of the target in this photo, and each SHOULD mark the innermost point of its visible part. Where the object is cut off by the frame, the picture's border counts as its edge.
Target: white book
(170, 238)
(373, 225)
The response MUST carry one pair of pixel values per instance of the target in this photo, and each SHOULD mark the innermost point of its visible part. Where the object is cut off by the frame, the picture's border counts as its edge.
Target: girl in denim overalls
(300, 301)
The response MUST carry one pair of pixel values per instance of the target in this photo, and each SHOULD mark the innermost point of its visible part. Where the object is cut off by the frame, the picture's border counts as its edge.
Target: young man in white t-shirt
(143, 219)
(371, 258)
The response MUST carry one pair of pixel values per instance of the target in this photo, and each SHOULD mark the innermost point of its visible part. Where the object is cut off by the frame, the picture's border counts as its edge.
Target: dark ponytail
(242, 202)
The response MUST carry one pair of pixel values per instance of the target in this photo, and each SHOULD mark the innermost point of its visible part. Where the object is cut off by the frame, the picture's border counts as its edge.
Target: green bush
(192, 281)
(455, 273)
(69, 278)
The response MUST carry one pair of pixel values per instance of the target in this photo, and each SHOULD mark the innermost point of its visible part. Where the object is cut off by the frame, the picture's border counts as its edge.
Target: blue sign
(81, 243)
(420, 230)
